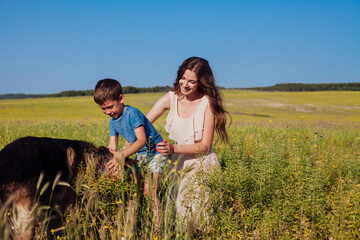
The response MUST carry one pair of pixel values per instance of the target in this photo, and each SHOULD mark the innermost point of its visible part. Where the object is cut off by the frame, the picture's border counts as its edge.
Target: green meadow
(291, 169)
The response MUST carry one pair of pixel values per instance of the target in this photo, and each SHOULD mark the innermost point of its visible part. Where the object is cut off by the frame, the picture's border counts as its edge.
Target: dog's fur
(24, 160)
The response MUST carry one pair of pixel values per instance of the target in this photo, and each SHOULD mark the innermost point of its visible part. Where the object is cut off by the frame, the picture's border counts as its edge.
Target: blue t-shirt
(131, 119)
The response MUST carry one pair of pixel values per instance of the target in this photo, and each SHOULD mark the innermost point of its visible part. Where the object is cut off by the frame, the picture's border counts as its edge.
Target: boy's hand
(115, 165)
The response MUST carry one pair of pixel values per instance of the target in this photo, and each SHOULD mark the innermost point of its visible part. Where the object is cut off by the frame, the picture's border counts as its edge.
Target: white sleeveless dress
(190, 196)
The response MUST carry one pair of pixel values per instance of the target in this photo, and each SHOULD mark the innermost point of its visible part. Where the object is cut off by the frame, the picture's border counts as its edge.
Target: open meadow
(290, 171)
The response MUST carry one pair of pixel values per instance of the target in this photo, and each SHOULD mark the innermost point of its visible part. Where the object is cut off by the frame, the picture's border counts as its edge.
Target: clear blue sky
(50, 46)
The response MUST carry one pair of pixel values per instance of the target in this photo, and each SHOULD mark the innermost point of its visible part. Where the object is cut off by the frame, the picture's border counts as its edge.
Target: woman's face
(188, 83)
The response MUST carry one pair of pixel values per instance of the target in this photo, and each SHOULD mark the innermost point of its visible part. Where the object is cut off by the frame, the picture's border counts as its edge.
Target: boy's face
(113, 108)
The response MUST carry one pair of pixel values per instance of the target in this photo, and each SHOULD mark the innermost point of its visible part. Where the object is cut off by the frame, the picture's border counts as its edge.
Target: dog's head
(93, 158)
(104, 156)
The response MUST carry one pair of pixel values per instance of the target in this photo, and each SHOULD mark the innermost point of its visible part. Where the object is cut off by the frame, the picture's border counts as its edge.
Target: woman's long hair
(207, 87)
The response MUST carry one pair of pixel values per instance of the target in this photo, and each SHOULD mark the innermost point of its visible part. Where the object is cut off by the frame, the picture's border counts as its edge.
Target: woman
(195, 111)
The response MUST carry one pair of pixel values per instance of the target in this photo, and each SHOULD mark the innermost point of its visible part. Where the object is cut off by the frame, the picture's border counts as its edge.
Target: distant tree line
(286, 87)
(74, 93)
(302, 87)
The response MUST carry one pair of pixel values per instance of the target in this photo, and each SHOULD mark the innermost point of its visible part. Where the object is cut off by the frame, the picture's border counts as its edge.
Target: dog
(23, 161)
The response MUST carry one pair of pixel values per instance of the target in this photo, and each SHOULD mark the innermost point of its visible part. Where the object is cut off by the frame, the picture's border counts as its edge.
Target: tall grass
(281, 177)
(274, 183)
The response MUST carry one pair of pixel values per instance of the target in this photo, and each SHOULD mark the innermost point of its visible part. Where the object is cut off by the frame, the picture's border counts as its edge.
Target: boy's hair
(107, 89)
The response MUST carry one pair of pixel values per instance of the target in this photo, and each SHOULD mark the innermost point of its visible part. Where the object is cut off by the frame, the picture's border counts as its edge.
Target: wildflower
(350, 143)
(52, 231)
(75, 133)
(316, 132)
(302, 117)
(91, 122)
(315, 146)
(173, 170)
(294, 139)
(108, 131)
(270, 121)
(58, 237)
(176, 162)
(321, 135)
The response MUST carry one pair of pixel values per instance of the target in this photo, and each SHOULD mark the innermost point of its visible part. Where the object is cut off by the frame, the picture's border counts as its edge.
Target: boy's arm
(138, 144)
(131, 149)
(126, 144)
(113, 143)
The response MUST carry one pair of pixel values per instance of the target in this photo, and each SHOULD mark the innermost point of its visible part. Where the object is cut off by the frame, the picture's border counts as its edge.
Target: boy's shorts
(155, 163)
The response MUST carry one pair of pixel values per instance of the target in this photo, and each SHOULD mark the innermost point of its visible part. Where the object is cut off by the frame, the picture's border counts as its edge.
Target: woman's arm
(159, 108)
(203, 146)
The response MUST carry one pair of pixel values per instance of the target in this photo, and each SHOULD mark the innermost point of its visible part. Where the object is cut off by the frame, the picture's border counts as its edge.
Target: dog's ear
(70, 160)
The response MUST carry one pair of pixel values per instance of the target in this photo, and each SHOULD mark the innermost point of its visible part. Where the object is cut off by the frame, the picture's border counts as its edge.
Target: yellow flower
(270, 121)
(315, 146)
(294, 139)
(108, 131)
(301, 117)
(52, 231)
(91, 122)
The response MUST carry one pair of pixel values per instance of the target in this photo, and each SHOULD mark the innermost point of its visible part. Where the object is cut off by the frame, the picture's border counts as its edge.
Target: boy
(140, 135)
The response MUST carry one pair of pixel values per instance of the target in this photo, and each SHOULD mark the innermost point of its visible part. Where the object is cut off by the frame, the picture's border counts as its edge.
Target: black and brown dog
(25, 159)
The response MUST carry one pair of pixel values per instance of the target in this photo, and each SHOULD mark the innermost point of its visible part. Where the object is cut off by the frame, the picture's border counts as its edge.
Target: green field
(278, 179)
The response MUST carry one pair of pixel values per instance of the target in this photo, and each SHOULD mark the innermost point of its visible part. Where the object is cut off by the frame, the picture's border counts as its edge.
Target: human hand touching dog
(116, 165)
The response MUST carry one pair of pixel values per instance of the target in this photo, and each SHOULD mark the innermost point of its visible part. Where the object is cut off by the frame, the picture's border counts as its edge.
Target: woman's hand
(165, 148)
